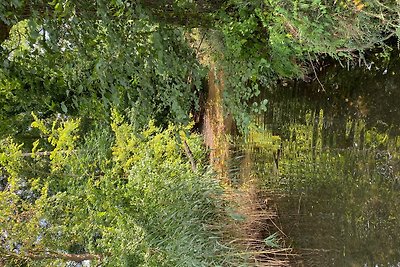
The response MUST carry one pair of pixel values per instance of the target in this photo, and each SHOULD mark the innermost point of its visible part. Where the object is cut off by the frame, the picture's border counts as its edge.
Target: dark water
(333, 160)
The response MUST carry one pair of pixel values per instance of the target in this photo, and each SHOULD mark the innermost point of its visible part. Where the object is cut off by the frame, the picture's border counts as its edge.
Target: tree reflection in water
(337, 170)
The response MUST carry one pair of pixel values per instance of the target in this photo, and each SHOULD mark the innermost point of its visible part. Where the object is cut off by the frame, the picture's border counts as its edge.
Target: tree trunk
(4, 31)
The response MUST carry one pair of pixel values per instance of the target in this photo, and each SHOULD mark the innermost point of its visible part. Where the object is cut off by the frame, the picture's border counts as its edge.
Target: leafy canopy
(83, 58)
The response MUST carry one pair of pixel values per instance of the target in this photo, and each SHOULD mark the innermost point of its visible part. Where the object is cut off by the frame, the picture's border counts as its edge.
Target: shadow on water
(333, 159)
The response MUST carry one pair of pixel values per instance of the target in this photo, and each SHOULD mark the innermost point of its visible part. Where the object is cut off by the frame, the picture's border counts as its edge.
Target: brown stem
(44, 255)
(46, 153)
(189, 154)
(367, 46)
(64, 256)
(315, 73)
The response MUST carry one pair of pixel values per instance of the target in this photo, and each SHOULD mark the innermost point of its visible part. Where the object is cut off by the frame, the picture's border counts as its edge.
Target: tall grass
(128, 198)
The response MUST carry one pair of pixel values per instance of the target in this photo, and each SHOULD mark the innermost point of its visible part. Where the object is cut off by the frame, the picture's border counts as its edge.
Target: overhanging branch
(45, 255)
(64, 256)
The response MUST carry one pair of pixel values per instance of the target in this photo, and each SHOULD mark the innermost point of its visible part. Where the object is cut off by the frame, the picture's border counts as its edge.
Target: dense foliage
(267, 40)
(120, 197)
(83, 66)
(83, 58)
(102, 183)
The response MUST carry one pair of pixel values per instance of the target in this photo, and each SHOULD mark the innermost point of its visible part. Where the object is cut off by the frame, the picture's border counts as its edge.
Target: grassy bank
(115, 197)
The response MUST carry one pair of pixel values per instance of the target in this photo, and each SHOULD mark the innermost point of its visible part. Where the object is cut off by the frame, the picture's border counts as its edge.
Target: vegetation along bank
(114, 113)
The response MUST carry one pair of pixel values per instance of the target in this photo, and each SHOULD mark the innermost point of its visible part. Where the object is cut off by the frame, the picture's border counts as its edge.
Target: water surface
(333, 160)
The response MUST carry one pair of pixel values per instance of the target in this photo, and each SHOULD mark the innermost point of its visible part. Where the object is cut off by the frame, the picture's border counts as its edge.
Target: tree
(84, 62)
(137, 54)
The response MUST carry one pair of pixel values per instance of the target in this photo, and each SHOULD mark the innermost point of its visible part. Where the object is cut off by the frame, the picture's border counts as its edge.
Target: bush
(126, 198)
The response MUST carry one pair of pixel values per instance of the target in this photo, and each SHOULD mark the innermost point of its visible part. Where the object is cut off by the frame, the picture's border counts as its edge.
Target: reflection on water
(333, 159)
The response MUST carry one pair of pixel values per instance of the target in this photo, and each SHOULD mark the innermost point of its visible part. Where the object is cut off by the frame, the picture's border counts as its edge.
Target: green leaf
(64, 107)
(272, 241)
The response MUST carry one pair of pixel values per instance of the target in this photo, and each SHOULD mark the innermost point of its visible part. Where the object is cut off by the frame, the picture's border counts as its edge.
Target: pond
(331, 159)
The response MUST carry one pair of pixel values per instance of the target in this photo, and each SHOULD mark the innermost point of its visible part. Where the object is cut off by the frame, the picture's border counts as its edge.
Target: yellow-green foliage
(375, 139)
(19, 215)
(263, 138)
(10, 156)
(129, 196)
(165, 145)
(62, 136)
(18, 40)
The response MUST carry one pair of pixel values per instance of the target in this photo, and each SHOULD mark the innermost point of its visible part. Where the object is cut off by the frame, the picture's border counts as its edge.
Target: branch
(44, 255)
(367, 46)
(189, 154)
(315, 73)
(19, 14)
(46, 153)
(64, 256)
(201, 42)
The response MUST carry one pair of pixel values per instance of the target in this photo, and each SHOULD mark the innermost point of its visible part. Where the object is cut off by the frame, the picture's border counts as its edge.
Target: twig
(272, 251)
(298, 209)
(370, 45)
(17, 45)
(201, 42)
(46, 153)
(315, 73)
(189, 154)
(42, 255)
(279, 229)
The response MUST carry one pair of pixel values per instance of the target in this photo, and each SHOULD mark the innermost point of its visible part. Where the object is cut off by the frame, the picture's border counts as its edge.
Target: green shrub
(129, 198)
